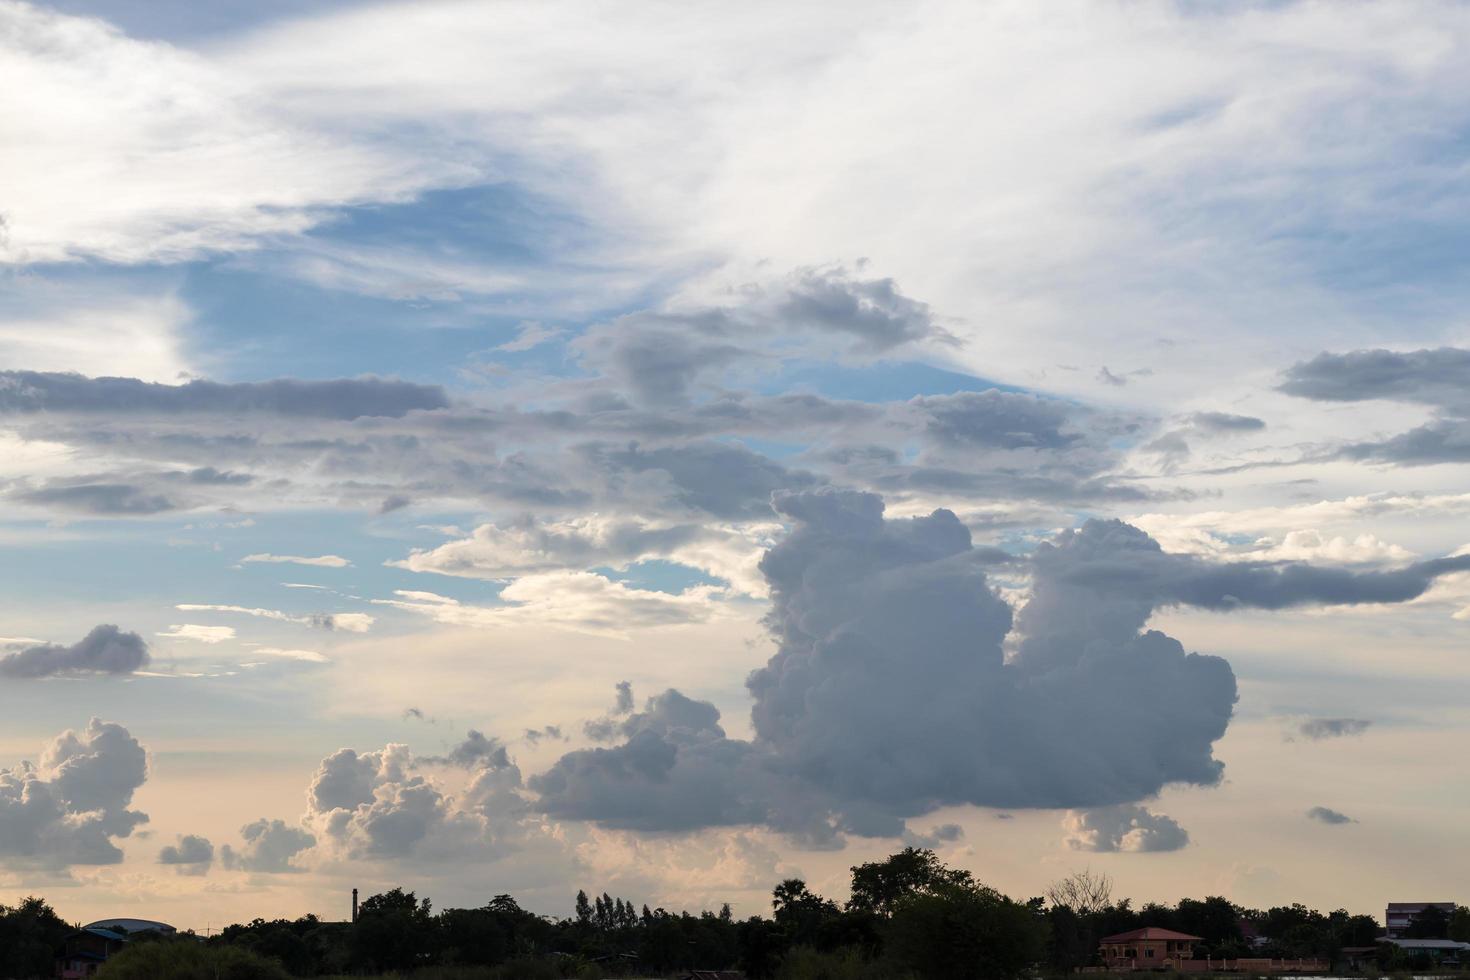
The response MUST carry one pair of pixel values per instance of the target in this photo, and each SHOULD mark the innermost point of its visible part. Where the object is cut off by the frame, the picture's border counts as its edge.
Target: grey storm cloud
(70, 806)
(1445, 441)
(660, 357)
(101, 498)
(1123, 565)
(104, 650)
(946, 833)
(475, 752)
(873, 311)
(1129, 828)
(996, 419)
(890, 695)
(341, 398)
(190, 854)
(269, 846)
(1439, 378)
(1318, 729)
(1329, 816)
(609, 727)
(1225, 422)
(715, 478)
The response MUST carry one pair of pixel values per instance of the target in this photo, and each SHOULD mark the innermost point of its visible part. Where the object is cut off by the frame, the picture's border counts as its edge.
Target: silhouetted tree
(963, 932)
(878, 886)
(1429, 923)
(29, 935)
(584, 908)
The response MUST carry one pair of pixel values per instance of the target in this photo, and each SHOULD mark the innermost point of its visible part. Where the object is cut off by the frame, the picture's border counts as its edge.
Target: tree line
(908, 916)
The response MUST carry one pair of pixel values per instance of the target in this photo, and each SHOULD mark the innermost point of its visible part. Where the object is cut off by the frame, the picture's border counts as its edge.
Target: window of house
(1148, 954)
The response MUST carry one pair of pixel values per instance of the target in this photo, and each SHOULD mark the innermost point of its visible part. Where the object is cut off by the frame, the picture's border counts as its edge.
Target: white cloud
(68, 808)
(308, 655)
(1325, 530)
(749, 136)
(350, 622)
(530, 335)
(132, 151)
(1125, 828)
(201, 634)
(581, 543)
(320, 561)
(572, 600)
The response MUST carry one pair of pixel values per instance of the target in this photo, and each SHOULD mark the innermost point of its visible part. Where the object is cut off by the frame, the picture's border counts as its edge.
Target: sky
(666, 448)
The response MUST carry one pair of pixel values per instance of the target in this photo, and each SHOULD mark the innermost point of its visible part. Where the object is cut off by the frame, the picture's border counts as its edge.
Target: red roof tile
(1151, 932)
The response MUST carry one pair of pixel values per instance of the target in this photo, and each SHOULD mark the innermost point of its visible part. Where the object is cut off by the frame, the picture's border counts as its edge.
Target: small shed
(84, 951)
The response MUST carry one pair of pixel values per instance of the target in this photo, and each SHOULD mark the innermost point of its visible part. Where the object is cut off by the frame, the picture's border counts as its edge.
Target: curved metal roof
(131, 925)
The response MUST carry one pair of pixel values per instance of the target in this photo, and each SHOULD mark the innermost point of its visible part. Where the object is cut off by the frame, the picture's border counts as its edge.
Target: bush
(189, 960)
(963, 932)
(805, 963)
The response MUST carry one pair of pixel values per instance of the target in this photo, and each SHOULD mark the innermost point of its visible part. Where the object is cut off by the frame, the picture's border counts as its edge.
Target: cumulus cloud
(190, 854)
(891, 695)
(475, 752)
(1329, 816)
(376, 805)
(72, 805)
(319, 561)
(903, 682)
(1318, 729)
(104, 650)
(1123, 828)
(271, 846)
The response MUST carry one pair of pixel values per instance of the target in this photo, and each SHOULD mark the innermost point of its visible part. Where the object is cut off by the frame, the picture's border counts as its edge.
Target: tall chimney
(354, 905)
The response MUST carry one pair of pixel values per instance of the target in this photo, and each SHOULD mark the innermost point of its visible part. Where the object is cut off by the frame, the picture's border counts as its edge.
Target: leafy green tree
(188, 959)
(584, 909)
(1215, 920)
(472, 937)
(879, 885)
(394, 931)
(1460, 924)
(1429, 923)
(963, 932)
(29, 935)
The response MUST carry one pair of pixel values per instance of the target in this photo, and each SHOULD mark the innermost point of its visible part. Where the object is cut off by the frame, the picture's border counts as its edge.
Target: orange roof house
(1149, 948)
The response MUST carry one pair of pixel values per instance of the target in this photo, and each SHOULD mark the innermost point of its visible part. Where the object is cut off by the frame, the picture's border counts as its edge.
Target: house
(83, 952)
(1400, 915)
(1445, 952)
(1359, 957)
(1149, 948)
